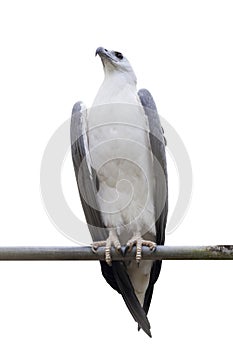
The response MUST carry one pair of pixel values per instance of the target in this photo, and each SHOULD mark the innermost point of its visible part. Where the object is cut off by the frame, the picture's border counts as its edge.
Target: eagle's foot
(137, 241)
(111, 241)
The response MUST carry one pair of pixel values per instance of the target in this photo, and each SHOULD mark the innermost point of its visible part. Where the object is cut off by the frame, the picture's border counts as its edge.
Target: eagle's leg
(139, 242)
(111, 241)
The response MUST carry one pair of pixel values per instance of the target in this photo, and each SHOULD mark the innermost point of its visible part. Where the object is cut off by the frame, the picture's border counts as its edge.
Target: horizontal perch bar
(217, 252)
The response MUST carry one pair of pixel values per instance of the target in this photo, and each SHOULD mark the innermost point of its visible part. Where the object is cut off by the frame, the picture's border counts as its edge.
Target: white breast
(120, 153)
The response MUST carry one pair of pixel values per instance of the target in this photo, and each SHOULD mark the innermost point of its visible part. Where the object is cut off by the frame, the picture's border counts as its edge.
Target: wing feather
(158, 143)
(85, 175)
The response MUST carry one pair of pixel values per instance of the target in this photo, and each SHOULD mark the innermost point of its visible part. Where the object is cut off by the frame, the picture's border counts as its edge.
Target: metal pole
(219, 252)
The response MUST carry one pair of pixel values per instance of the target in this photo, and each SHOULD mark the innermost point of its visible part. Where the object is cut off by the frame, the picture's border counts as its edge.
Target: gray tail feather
(155, 271)
(127, 292)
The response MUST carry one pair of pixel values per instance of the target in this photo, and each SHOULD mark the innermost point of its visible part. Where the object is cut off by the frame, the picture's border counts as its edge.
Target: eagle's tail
(127, 291)
(155, 271)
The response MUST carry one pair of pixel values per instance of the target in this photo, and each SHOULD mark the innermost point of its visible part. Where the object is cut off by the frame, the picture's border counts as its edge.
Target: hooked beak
(104, 53)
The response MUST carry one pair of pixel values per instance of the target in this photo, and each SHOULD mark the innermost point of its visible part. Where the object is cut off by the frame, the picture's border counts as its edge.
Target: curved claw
(96, 245)
(112, 241)
(139, 242)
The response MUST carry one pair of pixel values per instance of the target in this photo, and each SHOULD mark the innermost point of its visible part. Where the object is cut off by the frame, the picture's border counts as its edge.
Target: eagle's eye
(119, 55)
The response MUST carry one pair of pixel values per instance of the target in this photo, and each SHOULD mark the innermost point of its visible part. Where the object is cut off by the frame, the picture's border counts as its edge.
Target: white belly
(121, 155)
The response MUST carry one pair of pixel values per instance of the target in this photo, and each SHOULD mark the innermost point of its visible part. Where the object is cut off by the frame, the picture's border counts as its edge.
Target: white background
(182, 52)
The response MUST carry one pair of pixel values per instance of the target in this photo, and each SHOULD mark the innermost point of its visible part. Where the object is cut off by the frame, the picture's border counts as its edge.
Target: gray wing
(86, 178)
(87, 182)
(158, 142)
